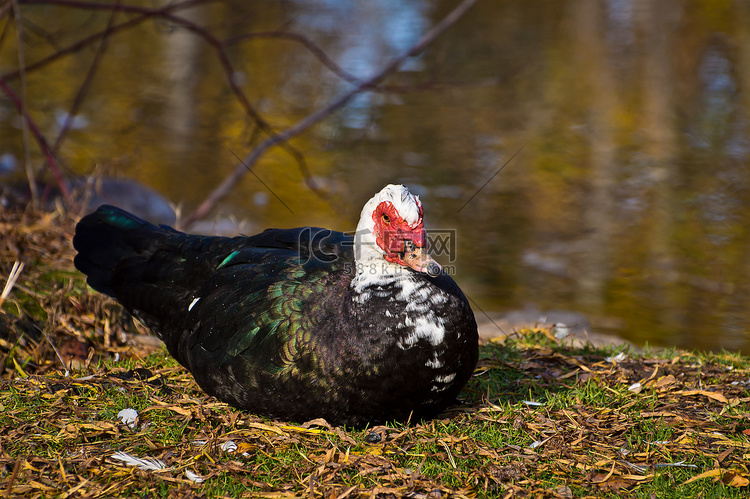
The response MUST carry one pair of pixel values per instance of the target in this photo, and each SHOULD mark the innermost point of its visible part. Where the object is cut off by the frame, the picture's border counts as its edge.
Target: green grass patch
(540, 418)
(534, 420)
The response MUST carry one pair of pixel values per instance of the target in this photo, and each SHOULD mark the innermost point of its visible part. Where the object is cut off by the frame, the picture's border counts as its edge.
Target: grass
(540, 418)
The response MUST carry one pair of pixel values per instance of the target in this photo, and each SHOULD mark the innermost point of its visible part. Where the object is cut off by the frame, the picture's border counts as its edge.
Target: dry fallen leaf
(706, 474)
(733, 479)
(712, 395)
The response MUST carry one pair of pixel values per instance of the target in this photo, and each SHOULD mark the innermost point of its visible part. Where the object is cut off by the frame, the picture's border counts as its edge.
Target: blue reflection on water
(376, 32)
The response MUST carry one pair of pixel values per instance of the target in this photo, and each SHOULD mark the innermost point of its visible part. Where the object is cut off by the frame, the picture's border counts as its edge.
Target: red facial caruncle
(404, 243)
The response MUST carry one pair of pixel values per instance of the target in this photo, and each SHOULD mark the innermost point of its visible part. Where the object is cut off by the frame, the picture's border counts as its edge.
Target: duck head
(391, 229)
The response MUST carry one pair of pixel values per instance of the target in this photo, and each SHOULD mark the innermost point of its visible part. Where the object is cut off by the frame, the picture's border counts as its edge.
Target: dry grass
(539, 419)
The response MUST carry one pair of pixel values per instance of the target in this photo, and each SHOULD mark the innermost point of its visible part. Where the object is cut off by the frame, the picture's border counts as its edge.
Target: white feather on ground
(147, 463)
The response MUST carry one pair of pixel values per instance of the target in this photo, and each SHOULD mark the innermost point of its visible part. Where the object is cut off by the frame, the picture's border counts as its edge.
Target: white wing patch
(420, 300)
(426, 327)
(442, 383)
(446, 379)
(419, 315)
(434, 362)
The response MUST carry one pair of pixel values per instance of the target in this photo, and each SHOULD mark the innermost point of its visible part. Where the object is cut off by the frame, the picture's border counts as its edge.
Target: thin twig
(240, 169)
(41, 140)
(250, 110)
(13, 475)
(305, 42)
(83, 90)
(320, 54)
(22, 102)
(144, 15)
(15, 272)
(136, 9)
(4, 9)
(57, 353)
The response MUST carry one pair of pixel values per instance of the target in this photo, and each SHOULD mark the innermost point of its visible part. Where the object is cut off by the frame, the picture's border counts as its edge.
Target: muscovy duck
(297, 324)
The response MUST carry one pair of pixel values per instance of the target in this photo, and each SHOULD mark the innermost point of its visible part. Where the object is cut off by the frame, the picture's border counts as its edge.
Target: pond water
(623, 123)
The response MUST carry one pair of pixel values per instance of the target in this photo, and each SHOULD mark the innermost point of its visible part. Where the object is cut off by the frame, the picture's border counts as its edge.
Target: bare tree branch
(144, 15)
(228, 67)
(21, 101)
(318, 53)
(120, 7)
(166, 13)
(305, 42)
(39, 138)
(170, 14)
(249, 161)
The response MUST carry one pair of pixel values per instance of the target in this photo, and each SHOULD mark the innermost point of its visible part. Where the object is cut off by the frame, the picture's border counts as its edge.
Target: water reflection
(628, 202)
(375, 32)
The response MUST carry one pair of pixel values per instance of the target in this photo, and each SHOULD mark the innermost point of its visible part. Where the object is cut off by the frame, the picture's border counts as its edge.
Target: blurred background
(624, 125)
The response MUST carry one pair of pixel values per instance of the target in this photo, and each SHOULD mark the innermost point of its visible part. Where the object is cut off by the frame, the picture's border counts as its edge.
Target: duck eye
(386, 218)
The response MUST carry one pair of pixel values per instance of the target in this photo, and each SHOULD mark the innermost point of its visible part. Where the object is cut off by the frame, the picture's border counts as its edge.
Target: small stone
(564, 491)
(373, 438)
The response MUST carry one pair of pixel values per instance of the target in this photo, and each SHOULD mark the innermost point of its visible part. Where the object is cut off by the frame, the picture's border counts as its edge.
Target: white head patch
(407, 205)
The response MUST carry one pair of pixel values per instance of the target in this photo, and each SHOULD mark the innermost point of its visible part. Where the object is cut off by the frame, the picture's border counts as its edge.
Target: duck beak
(418, 259)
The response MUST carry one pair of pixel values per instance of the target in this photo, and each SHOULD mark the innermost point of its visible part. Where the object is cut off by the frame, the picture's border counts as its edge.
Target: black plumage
(273, 323)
